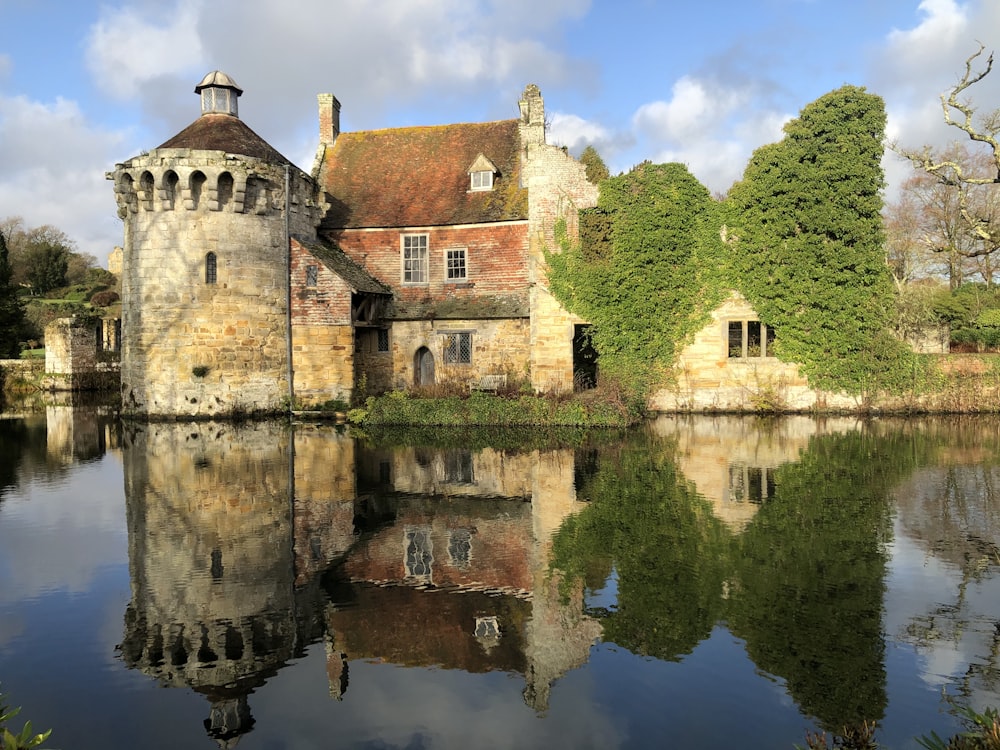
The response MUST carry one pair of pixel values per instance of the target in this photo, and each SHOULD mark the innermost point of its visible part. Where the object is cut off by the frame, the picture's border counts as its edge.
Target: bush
(104, 299)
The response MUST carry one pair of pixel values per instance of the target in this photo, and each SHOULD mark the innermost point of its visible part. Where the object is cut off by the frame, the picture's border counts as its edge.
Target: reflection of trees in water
(802, 585)
(667, 546)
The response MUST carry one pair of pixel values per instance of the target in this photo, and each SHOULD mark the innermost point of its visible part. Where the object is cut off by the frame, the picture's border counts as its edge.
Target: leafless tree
(974, 180)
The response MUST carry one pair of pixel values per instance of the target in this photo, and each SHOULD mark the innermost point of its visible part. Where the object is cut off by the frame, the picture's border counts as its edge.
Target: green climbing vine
(800, 237)
(646, 272)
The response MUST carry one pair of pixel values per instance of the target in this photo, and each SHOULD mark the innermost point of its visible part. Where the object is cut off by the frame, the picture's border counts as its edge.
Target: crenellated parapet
(195, 180)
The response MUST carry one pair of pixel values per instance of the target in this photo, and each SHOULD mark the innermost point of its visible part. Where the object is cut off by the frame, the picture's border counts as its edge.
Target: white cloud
(54, 164)
(575, 133)
(709, 126)
(129, 46)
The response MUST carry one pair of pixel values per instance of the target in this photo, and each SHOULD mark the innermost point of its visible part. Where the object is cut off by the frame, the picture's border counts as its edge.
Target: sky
(85, 85)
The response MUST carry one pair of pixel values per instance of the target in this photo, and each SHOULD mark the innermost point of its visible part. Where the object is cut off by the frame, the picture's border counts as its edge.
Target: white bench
(493, 383)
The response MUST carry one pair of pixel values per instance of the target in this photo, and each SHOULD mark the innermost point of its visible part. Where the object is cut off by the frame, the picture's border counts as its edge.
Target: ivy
(806, 231)
(803, 243)
(646, 272)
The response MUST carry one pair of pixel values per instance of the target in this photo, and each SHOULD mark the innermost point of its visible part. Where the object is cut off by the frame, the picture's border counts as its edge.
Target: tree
(47, 265)
(11, 309)
(972, 183)
(805, 228)
(39, 257)
(597, 170)
(926, 226)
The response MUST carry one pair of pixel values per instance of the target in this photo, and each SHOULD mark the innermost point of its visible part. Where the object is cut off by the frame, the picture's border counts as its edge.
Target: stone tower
(208, 215)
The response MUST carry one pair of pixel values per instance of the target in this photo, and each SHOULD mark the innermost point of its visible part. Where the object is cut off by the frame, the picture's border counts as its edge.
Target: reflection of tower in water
(211, 562)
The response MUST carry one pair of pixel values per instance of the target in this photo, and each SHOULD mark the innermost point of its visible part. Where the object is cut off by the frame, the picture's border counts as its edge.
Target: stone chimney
(532, 116)
(329, 118)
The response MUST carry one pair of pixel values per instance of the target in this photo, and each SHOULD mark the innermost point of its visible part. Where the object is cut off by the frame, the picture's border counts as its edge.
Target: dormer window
(218, 94)
(481, 174)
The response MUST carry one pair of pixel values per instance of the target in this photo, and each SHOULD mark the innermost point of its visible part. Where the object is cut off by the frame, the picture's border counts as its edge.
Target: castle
(408, 256)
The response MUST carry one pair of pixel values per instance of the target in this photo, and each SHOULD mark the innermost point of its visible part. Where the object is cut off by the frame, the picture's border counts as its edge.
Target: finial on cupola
(219, 93)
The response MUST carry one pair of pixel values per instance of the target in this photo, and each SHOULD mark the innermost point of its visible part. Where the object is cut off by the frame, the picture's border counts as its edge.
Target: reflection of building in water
(459, 543)
(79, 433)
(431, 557)
(732, 460)
(210, 557)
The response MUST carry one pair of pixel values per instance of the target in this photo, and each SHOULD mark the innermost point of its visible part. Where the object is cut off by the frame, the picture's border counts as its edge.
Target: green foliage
(646, 272)
(478, 408)
(47, 266)
(982, 732)
(669, 549)
(12, 321)
(808, 247)
(597, 170)
(23, 740)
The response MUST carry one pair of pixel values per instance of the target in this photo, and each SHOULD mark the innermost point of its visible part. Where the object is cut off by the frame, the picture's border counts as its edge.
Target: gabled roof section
(334, 258)
(482, 164)
(414, 177)
(219, 132)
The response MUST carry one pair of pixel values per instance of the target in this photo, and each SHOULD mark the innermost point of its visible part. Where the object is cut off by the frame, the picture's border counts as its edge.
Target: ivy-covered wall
(799, 237)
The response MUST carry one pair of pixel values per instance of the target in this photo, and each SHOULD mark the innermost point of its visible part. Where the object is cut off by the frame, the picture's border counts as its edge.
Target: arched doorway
(423, 367)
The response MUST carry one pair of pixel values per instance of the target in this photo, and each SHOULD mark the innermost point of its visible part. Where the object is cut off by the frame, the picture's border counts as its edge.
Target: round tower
(208, 215)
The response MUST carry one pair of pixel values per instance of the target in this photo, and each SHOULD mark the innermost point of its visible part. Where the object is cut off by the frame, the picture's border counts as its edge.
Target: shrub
(105, 298)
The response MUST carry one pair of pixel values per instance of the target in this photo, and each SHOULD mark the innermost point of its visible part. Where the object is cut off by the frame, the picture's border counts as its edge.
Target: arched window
(170, 181)
(225, 190)
(197, 182)
(211, 268)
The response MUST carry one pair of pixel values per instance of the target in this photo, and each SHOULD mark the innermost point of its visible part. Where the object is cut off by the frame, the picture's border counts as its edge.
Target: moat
(708, 582)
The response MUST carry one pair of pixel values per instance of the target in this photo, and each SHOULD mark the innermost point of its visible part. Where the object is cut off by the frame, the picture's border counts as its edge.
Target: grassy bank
(588, 409)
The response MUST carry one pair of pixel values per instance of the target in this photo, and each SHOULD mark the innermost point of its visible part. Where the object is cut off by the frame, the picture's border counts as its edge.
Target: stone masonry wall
(498, 346)
(707, 379)
(190, 346)
(322, 334)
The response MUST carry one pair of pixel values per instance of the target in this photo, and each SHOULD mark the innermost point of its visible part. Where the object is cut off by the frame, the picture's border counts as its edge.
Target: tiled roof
(218, 132)
(474, 308)
(335, 259)
(412, 177)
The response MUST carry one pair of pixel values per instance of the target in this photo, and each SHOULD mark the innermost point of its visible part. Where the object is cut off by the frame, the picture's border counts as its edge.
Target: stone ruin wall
(557, 189)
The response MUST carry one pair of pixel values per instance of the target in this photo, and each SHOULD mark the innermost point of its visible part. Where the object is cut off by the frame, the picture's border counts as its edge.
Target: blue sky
(84, 85)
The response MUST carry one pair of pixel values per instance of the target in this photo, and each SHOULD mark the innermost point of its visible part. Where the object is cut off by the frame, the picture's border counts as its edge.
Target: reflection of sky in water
(55, 536)
(952, 633)
(64, 587)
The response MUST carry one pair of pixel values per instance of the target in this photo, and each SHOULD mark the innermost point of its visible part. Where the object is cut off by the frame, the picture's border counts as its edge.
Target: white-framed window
(415, 259)
(457, 348)
(312, 275)
(748, 338)
(456, 267)
(481, 180)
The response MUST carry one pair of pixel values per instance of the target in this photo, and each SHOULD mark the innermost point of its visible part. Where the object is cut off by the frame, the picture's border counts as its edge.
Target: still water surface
(699, 583)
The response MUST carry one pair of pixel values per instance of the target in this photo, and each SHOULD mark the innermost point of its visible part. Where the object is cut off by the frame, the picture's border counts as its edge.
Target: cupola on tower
(208, 215)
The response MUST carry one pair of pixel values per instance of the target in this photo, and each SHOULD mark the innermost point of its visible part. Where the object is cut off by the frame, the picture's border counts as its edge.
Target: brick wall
(496, 256)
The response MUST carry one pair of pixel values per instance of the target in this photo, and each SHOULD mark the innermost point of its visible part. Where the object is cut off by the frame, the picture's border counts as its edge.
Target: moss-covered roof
(219, 132)
(334, 259)
(469, 308)
(419, 176)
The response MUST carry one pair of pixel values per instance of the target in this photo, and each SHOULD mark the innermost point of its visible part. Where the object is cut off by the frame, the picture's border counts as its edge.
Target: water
(700, 583)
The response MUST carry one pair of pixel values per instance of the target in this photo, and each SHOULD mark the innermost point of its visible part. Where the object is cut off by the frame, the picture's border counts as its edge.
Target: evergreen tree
(11, 310)
(806, 228)
(597, 170)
